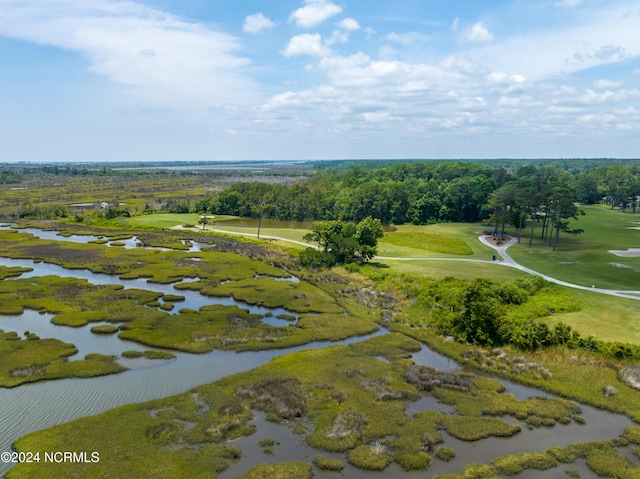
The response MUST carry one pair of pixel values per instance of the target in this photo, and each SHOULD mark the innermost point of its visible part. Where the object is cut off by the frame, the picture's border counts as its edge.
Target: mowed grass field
(438, 269)
(435, 241)
(604, 317)
(407, 241)
(584, 259)
(163, 220)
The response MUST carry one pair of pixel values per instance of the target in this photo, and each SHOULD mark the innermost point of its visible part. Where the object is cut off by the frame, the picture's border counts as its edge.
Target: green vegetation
(287, 470)
(104, 329)
(13, 272)
(342, 243)
(353, 400)
(513, 465)
(371, 458)
(327, 464)
(149, 354)
(345, 399)
(444, 453)
(76, 302)
(585, 259)
(30, 360)
(428, 242)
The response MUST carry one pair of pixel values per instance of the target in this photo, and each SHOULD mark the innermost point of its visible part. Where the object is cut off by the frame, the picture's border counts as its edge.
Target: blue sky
(99, 80)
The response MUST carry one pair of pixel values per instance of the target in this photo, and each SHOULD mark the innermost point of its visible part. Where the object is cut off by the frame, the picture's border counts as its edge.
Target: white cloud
(349, 24)
(607, 36)
(498, 77)
(337, 36)
(603, 84)
(476, 33)
(568, 3)
(387, 51)
(158, 57)
(256, 23)
(407, 38)
(314, 13)
(306, 44)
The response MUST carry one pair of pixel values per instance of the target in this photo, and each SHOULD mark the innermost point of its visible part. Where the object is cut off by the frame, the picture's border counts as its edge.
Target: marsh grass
(473, 471)
(444, 453)
(476, 428)
(335, 390)
(30, 360)
(149, 354)
(300, 297)
(601, 457)
(287, 470)
(12, 272)
(515, 464)
(104, 329)
(369, 458)
(578, 375)
(327, 464)
(77, 303)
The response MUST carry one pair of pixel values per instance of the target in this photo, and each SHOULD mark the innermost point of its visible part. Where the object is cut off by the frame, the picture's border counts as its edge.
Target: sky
(197, 80)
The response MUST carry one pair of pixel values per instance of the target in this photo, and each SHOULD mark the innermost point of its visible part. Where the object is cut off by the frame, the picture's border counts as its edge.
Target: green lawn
(440, 240)
(604, 317)
(584, 259)
(164, 220)
(457, 269)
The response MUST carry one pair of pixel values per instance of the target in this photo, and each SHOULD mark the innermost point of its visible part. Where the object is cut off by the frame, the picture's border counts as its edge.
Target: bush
(312, 258)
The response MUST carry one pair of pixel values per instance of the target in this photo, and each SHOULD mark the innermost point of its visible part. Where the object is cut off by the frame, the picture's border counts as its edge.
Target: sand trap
(620, 265)
(630, 253)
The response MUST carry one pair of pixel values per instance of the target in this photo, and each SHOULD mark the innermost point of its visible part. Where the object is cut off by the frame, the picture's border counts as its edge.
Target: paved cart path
(507, 261)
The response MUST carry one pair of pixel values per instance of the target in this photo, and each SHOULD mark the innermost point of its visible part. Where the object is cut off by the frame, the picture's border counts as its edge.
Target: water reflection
(192, 299)
(37, 406)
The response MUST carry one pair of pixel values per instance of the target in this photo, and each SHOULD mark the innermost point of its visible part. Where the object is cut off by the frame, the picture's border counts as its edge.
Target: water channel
(37, 406)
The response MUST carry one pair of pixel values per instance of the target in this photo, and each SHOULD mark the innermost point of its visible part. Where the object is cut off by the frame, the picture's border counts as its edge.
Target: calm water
(41, 405)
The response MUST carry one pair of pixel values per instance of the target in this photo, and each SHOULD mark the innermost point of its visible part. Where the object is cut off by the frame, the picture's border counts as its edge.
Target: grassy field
(162, 220)
(584, 259)
(457, 269)
(406, 241)
(440, 240)
(604, 317)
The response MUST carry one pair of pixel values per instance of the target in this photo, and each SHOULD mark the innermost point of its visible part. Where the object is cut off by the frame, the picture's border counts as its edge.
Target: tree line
(540, 198)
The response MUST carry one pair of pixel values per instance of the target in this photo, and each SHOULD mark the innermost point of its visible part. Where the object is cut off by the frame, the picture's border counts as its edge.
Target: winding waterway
(37, 406)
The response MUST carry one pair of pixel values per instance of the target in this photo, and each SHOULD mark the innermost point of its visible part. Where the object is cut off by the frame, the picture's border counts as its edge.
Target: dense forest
(429, 192)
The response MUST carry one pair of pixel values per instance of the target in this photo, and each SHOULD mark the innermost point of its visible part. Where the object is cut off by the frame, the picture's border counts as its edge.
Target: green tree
(479, 321)
(344, 242)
